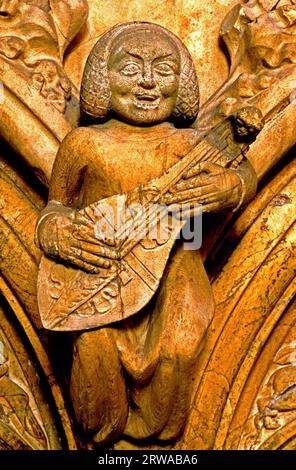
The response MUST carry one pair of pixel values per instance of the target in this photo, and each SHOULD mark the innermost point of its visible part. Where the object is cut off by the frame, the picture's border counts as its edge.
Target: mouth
(146, 101)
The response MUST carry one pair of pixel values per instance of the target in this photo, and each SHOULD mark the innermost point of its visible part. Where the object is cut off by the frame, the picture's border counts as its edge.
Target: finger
(220, 180)
(218, 195)
(95, 248)
(100, 236)
(210, 198)
(81, 234)
(194, 171)
(203, 168)
(211, 167)
(95, 260)
(191, 210)
(86, 216)
(106, 240)
(99, 250)
(191, 195)
(87, 220)
(201, 181)
(101, 232)
(90, 258)
(87, 267)
(181, 196)
(211, 207)
(217, 206)
(195, 184)
(89, 235)
(185, 184)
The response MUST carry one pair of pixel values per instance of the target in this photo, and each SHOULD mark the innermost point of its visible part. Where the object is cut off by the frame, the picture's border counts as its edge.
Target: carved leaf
(286, 354)
(69, 17)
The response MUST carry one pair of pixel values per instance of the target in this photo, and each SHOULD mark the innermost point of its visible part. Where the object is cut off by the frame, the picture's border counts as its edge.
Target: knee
(184, 342)
(97, 388)
(102, 420)
(111, 430)
(187, 330)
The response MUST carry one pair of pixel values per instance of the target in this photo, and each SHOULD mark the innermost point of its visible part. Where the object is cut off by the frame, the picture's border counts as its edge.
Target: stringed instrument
(70, 299)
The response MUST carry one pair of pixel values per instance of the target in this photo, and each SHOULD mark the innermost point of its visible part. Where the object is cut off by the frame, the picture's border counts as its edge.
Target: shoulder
(188, 133)
(81, 139)
(83, 134)
(184, 139)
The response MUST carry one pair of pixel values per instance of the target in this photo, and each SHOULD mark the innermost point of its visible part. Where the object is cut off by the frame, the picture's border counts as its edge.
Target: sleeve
(69, 170)
(249, 181)
(65, 186)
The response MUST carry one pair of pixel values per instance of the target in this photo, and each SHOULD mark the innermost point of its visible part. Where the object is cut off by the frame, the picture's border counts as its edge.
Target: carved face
(144, 70)
(9, 9)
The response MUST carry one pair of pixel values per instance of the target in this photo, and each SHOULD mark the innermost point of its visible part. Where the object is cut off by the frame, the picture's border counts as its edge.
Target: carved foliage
(34, 36)
(25, 420)
(275, 407)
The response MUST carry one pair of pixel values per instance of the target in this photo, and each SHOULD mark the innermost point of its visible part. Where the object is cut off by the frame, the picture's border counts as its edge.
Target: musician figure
(139, 96)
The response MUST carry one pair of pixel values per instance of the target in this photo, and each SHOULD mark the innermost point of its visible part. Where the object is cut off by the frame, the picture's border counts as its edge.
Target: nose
(3, 4)
(147, 79)
(4, 7)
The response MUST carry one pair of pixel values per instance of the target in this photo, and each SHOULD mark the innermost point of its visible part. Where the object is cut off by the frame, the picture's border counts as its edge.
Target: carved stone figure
(191, 348)
(139, 83)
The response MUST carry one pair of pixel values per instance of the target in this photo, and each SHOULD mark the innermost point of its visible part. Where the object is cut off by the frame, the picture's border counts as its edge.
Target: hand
(70, 237)
(209, 184)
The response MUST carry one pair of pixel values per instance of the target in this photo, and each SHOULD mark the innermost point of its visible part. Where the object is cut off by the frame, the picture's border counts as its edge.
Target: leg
(181, 316)
(98, 389)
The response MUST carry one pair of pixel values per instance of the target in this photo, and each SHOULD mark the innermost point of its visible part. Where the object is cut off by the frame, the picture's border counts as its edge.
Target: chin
(147, 117)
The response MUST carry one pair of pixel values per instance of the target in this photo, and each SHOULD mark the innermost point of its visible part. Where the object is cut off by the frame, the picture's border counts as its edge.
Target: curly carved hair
(95, 90)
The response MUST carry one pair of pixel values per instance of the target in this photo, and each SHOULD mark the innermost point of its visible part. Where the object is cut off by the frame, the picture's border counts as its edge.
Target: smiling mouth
(146, 101)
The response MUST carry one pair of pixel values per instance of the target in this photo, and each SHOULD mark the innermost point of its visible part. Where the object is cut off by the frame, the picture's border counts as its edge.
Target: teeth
(145, 105)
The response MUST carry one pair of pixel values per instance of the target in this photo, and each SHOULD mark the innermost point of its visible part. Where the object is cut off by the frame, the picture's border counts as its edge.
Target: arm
(216, 188)
(249, 181)
(62, 232)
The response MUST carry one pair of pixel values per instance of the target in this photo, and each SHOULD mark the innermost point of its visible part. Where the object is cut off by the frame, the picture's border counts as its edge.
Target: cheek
(120, 85)
(12, 8)
(169, 86)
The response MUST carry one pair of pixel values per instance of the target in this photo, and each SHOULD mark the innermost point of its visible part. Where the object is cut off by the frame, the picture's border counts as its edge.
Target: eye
(164, 68)
(132, 68)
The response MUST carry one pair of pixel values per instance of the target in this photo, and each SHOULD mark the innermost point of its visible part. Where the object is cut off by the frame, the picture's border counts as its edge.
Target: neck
(112, 123)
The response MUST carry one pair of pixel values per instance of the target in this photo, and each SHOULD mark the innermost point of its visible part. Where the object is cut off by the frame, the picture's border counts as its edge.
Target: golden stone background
(196, 22)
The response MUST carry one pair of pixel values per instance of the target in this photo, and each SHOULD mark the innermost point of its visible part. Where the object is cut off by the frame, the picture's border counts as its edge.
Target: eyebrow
(133, 54)
(165, 56)
(137, 56)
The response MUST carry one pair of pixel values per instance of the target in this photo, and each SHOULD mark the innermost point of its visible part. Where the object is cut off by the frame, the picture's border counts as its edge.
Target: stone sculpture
(191, 348)
(139, 88)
